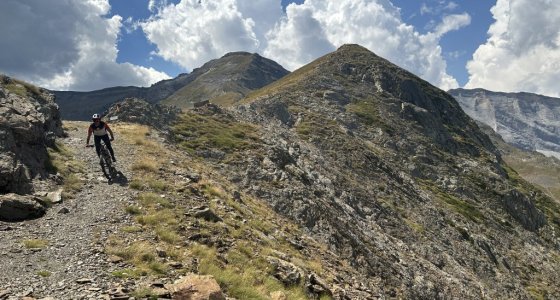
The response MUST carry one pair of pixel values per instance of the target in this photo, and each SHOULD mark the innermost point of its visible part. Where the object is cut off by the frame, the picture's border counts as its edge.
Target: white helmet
(96, 117)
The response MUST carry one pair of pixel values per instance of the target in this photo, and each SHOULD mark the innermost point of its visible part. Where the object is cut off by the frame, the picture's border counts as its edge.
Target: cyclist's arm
(110, 131)
(90, 131)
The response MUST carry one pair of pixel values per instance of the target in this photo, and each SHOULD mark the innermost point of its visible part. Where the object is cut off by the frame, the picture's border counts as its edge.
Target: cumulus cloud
(374, 24)
(522, 52)
(65, 45)
(192, 32)
(452, 22)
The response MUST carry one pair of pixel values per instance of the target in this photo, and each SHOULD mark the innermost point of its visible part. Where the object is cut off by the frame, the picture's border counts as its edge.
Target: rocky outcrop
(29, 123)
(527, 121)
(15, 207)
(139, 111)
(523, 210)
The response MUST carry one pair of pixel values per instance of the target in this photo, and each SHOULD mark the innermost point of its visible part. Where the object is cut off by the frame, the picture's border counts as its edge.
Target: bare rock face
(29, 122)
(15, 207)
(523, 210)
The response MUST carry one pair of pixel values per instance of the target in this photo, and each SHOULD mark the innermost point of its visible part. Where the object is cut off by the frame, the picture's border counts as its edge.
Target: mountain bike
(106, 162)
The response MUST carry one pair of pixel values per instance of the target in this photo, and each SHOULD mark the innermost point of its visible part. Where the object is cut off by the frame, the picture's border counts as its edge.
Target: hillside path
(72, 265)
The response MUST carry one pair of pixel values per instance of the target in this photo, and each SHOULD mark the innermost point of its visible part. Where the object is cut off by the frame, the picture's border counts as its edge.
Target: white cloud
(452, 22)
(65, 45)
(155, 5)
(522, 52)
(317, 26)
(437, 7)
(425, 9)
(451, 6)
(193, 32)
(73, 44)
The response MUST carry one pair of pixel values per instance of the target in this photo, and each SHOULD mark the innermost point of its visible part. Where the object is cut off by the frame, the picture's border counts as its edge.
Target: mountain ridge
(251, 71)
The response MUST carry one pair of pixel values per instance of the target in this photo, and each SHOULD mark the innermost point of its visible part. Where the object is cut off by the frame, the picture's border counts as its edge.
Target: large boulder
(196, 287)
(29, 123)
(15, 207)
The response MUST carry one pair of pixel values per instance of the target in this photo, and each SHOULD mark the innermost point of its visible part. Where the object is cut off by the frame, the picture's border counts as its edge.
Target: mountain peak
(352, 48)
(239, 53)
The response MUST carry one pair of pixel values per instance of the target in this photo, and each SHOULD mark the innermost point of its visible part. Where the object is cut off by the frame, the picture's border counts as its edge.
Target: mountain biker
(100, 130)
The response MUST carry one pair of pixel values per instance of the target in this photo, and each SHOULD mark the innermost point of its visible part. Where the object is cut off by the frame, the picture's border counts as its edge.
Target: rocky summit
(392, 175)
(527, 121)
(227, 79)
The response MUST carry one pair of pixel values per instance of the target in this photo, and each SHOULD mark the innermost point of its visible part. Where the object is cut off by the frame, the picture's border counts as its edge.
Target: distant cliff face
(527, 121)
(391, 174)
(29, 123)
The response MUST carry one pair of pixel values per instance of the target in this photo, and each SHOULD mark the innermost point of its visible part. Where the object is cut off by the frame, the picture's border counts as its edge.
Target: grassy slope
(234, 251)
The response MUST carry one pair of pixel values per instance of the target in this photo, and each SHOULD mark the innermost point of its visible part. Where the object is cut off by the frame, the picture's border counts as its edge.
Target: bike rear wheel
(106, 163)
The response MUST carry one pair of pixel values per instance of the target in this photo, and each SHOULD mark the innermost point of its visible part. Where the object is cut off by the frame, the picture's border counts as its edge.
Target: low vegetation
(195, 133)
(35, 243)
(22, 88)
(460, 206)
(44, 273)
(62, 160)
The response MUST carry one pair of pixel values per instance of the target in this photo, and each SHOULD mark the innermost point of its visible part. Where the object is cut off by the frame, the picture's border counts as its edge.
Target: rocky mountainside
(391, 175)
(221, 80)
(525, 120)
(227, 80)
(349, 178)
(29, 123)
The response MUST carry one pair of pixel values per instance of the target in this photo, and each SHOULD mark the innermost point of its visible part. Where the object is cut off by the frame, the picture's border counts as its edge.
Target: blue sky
(500, 45)
(458, 46)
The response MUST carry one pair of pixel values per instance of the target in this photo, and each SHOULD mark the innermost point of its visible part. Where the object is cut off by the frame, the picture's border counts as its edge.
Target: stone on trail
(15, 207)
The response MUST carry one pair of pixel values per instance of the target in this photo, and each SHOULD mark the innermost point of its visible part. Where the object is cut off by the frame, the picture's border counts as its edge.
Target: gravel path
(72, 265)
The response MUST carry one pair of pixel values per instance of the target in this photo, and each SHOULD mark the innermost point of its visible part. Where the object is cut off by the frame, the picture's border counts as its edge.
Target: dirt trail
(72, 265)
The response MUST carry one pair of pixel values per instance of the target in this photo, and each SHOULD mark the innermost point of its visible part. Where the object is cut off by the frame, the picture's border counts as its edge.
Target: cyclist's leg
(108, 144)
(97, 142)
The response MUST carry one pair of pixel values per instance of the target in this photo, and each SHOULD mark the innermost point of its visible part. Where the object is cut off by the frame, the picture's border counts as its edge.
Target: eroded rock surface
(29, 123)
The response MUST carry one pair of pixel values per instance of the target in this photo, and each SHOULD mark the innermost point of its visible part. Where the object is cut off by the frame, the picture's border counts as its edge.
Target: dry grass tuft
(35, 243)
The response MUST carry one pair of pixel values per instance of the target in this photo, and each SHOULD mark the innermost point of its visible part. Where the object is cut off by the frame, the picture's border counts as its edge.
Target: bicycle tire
(106, 163)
